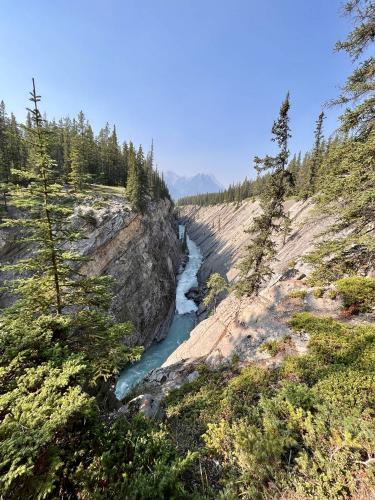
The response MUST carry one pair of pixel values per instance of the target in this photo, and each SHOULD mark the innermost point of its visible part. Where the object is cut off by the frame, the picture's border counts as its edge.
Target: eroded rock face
(238, 328)
(141, 252)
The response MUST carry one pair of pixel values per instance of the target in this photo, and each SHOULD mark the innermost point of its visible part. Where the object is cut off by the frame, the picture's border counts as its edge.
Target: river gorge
(183, 322)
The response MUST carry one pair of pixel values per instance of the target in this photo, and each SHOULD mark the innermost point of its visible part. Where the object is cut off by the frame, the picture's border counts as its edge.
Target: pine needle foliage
(57, 343)
(347, 173)
(255, 266)
(316, 158)
(216, 285)
(359, 89)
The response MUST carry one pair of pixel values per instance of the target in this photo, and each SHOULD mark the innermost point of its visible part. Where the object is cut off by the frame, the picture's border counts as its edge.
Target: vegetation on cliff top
(79, 159)
(305, 428)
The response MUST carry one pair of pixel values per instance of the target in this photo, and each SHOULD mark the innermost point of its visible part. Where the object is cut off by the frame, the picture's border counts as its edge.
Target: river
(183, 322)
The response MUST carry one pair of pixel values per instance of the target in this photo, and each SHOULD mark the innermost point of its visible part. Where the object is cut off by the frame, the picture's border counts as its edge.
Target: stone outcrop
(240, 326)
(141, 252)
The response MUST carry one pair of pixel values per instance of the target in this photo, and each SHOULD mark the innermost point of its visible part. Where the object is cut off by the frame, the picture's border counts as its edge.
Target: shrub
(137, 459)
(297, 294)
(357, 292)
(332, 294)
(318, 293)
(304, 430)
(272, 347)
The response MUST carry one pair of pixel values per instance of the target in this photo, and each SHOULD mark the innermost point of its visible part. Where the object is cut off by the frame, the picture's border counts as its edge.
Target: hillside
(240, 326)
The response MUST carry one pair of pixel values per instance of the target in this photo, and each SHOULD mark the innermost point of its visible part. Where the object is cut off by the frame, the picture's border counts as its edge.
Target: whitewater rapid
(183, 322)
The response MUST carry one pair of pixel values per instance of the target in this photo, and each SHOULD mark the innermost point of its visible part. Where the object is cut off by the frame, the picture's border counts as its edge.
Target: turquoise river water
(183, 322)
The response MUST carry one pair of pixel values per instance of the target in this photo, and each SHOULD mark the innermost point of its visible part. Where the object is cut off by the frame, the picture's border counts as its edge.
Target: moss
(332, 294)
(318, 293)
(357, 292)
(297, 294)
(272, 347)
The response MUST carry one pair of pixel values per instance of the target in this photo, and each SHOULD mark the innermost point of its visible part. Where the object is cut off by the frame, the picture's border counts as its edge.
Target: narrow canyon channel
(183, 322)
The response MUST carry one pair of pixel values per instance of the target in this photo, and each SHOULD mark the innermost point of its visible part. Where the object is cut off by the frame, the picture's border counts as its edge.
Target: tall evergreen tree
(133, 189)
(78, 164)
(143, 179)
(316, 156)
(57, 344)
(359, 89)
(255, 266)
(124, 155)
(53, 285)
(348, 170)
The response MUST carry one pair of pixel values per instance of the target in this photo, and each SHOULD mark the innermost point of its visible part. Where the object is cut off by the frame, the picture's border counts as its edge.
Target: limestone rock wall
(141, 252)
(240, 326)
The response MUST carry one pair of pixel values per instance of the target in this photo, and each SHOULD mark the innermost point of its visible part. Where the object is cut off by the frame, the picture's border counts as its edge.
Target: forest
(80, 158)
(303, 429)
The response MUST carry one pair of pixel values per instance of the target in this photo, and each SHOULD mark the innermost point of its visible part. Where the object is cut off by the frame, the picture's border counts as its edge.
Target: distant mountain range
(180, 186)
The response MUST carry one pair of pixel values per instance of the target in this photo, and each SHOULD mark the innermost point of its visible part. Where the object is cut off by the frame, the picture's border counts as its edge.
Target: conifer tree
(255, 266)
(359, 89)
(124, 155)
(133, 190)
(316, 157)
(53, 285)
(56, 341)
(78, 165)
(216, 285)
(347, 187)
(143, 179)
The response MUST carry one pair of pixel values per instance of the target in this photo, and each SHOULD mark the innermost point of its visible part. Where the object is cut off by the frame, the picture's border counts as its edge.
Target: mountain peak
(180, 186)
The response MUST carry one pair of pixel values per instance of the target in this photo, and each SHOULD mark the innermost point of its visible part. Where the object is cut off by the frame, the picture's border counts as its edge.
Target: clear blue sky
(204, 78)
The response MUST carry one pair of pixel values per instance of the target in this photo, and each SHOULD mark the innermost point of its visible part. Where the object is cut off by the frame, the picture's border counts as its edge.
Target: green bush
(318, 293)
(136, 459)
(332, 294)
(303, 430)
(297, 294)
(357, 292)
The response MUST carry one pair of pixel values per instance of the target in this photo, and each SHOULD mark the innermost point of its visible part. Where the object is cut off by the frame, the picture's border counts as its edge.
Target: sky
(203, 78)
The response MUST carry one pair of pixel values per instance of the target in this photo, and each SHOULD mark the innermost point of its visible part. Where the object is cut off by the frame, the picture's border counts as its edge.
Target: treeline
(80, 157)
(234, 193)
(304, 176)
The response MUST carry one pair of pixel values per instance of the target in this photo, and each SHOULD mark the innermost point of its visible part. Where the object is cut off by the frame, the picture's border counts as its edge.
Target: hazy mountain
(184, 186)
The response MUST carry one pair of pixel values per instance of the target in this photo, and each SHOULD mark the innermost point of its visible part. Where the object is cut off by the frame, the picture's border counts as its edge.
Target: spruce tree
(347, 185)
(216, 285)
(53, 284)
(78, 164)
(124, 156)
(57, 343)
(316, 156)
(359, 89)
(133, 190)
(143, 179)
(255, 267)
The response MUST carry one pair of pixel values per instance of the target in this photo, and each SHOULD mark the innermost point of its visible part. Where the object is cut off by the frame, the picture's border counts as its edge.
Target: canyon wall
(141, 252)
(240, 326)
